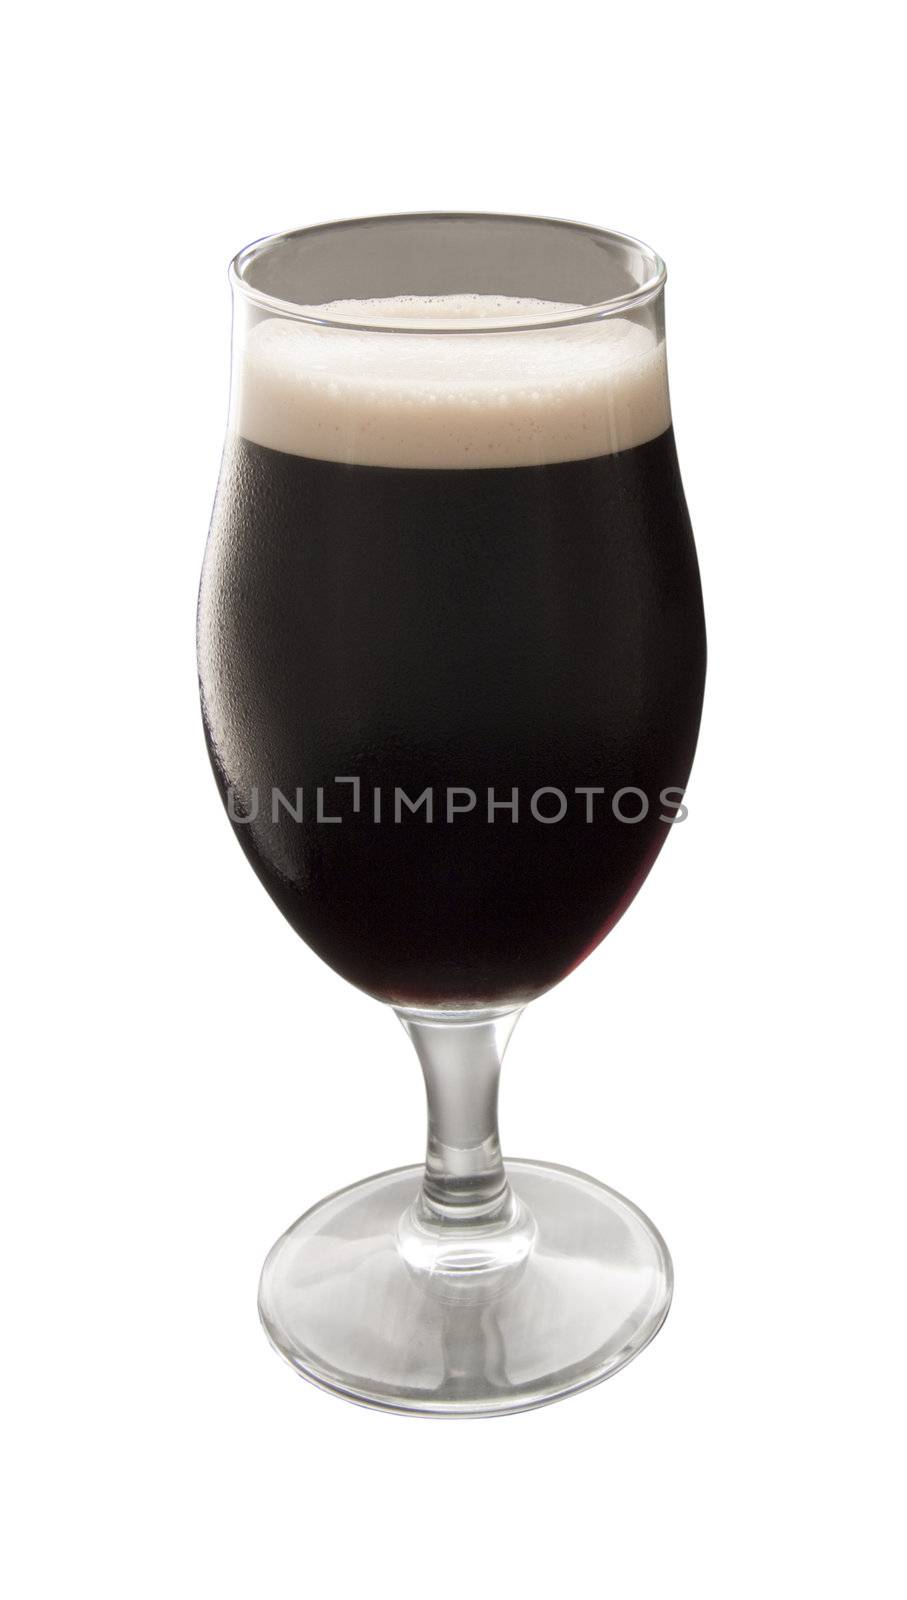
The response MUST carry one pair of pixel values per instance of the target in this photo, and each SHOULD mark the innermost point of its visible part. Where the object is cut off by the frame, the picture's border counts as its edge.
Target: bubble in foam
(399, 397)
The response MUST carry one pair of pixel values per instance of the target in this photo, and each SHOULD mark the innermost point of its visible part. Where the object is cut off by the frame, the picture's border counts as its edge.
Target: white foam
(483, 399)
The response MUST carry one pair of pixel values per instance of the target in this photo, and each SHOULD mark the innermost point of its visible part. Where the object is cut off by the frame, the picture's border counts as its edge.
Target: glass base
(367, 1301)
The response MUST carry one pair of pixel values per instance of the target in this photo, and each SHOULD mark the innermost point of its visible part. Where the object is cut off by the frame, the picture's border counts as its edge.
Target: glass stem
(465, 1184)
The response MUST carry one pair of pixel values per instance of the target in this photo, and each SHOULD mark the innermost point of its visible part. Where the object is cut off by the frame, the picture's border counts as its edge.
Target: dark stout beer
(527, 634)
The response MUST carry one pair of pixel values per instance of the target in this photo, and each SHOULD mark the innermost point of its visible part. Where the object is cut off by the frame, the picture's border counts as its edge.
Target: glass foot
(366, 1301)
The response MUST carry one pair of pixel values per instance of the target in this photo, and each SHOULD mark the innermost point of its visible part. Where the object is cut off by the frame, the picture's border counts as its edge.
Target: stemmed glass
(451, 656)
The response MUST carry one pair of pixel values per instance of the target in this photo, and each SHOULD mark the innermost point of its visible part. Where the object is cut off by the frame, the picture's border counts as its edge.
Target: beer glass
(451, 656)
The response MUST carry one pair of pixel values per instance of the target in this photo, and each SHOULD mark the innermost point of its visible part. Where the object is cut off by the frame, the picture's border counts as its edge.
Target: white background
(185, 1077)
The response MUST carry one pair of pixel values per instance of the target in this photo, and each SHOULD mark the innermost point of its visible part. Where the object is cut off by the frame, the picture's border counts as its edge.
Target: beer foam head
(395, 397)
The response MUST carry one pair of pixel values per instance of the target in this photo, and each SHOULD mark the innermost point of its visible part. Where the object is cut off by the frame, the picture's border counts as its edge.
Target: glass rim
(616, 305)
